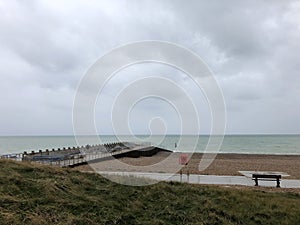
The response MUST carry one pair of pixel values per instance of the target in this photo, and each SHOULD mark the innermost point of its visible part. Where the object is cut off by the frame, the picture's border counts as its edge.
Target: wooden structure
(71, 157)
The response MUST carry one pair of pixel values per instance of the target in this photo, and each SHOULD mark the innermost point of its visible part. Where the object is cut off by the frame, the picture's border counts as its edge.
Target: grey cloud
(251, 46)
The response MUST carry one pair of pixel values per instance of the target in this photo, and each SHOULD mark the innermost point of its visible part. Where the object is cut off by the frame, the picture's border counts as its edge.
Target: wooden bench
(267, 177)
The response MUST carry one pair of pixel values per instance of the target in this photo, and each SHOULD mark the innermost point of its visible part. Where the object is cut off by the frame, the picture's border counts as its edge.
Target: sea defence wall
(142, 152)
(73, 156)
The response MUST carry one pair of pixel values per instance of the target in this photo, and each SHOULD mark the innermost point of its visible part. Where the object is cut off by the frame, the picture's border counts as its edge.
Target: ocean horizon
(285, 144)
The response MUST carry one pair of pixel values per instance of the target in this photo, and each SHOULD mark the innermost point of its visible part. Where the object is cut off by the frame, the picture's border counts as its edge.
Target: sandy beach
(223, 164)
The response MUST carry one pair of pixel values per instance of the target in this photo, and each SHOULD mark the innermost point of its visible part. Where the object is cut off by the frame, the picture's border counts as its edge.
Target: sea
(245, 144)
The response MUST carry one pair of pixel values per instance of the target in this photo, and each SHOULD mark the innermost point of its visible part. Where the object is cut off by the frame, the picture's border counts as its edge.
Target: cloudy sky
(252, 47)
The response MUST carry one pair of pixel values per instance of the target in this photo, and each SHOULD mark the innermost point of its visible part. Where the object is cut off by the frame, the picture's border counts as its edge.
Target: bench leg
(256, 182)
(278, 183)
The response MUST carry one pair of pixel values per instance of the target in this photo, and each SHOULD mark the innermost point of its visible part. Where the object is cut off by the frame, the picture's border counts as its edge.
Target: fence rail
(77, 155)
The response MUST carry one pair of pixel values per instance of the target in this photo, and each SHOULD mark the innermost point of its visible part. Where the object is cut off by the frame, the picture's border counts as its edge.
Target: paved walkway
(207, 179)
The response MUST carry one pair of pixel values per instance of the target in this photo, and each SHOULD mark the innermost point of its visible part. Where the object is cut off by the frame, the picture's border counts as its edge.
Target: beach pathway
(206, 179)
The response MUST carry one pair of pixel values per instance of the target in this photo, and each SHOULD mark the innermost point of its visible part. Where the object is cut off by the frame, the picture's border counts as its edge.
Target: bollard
(180, 175)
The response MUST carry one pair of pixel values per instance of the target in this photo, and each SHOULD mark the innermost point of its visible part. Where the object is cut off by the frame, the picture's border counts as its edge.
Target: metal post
(180, 176)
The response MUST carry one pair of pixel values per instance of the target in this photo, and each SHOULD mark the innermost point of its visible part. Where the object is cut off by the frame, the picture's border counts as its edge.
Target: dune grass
(32, 194)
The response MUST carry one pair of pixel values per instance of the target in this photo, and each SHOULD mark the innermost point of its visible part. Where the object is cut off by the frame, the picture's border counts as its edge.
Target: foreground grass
(41, 195)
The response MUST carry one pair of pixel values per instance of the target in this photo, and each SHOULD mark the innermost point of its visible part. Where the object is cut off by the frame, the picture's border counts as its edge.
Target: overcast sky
(252, 47)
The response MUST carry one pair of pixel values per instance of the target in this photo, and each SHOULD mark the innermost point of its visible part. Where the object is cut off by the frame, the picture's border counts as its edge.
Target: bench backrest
(266, 176)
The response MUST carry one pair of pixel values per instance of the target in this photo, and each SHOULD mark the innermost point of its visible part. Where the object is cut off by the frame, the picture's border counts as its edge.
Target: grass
(36, 194)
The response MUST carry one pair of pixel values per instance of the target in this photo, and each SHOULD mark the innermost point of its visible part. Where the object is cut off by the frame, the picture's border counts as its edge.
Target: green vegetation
(34, 194)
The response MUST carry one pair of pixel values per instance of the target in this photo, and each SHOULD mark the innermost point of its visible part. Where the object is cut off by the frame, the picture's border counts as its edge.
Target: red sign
(183, 159)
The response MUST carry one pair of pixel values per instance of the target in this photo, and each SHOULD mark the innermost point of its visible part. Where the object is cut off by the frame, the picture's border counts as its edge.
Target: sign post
(183, 160)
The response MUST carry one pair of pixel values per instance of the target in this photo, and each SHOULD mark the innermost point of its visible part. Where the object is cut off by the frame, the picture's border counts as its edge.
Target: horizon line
(72, 135)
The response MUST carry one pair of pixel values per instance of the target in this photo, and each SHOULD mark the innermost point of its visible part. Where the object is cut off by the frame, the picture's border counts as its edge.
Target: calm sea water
(253, 144)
